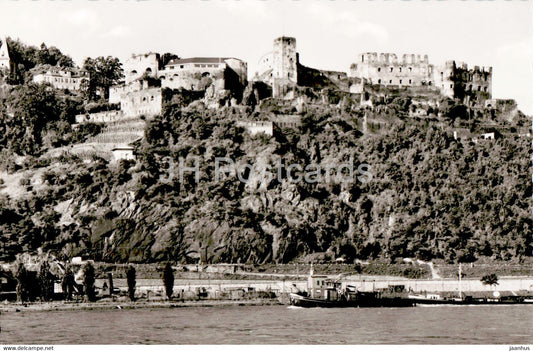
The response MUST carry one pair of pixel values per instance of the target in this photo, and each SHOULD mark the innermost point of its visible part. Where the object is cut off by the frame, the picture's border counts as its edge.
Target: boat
(496, 299)
(432, 299)
(325, 292)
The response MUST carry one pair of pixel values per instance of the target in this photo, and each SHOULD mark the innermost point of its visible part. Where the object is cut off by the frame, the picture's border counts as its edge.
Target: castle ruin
(453, 79)
(138, 66)
(387, 69)
(279, 68)
(196, 73)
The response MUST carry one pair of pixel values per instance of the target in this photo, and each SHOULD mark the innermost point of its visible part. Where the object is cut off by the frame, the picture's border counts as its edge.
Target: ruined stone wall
(287, 121)
(228, 74)
(240, 68)
(192, 78)
(389, 69)
(455, 79)
(117, 92)
(137, 65)
(265, 66)
(255, 127)
(145, 102)
(100, 117)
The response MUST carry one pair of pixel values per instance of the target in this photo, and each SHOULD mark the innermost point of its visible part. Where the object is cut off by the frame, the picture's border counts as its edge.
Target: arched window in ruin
(379, 69)
(485, 89)
(162, 77)
(392, 69)
(206, 74)
(176, 75)
(429, 83)
(400, 81)
(400, 69)
(410, 69)
(379, 81)
(390, 81)
(134, 72)
(149, 70)
(409, 81)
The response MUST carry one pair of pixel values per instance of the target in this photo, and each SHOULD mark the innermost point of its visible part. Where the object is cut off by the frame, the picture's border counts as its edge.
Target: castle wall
(145, 102)
(455, 77)
(265, 64)
(117, 92)
(189, 76)
(240, 68)
(255, 127)
(287, 121)
(195, 74)
(389, 69)
(100, 117)
(137, 65)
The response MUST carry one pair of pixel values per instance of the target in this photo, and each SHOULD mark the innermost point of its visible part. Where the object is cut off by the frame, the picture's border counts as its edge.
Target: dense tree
(25, 57)
(104, 72)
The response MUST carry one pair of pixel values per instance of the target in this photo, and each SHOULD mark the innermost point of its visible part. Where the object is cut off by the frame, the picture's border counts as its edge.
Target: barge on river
(325, 292)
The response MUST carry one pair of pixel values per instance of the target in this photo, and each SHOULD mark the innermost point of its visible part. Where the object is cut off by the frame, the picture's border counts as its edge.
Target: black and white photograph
(257, 173)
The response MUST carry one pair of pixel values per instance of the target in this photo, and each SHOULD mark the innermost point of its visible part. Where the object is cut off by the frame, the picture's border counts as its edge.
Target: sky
(329, 34)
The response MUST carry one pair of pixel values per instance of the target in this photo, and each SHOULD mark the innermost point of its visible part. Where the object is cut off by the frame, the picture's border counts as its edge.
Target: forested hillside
(429, 196)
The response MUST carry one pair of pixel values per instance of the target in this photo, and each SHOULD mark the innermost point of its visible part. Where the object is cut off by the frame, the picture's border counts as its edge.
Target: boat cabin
(322, 287)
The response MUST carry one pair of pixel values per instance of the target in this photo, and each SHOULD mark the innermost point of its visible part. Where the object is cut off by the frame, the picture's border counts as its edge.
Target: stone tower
(284, 67)
(284, 60)
(444, 78)
(4, 55)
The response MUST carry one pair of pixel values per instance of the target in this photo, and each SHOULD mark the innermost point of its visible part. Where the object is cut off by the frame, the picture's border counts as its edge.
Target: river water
(274, 325)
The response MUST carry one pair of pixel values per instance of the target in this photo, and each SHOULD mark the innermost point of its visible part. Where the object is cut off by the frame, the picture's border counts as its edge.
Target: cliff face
(412, 191)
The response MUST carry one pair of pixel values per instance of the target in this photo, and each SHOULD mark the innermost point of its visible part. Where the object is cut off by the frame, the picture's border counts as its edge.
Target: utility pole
(460, 274)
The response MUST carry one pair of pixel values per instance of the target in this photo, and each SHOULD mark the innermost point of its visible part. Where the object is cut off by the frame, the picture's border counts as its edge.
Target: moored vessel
(325, 292)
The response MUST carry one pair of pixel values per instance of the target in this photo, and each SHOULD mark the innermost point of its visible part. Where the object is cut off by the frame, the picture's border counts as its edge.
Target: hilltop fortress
(223, 80)
(453, 79)
(281, 69)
